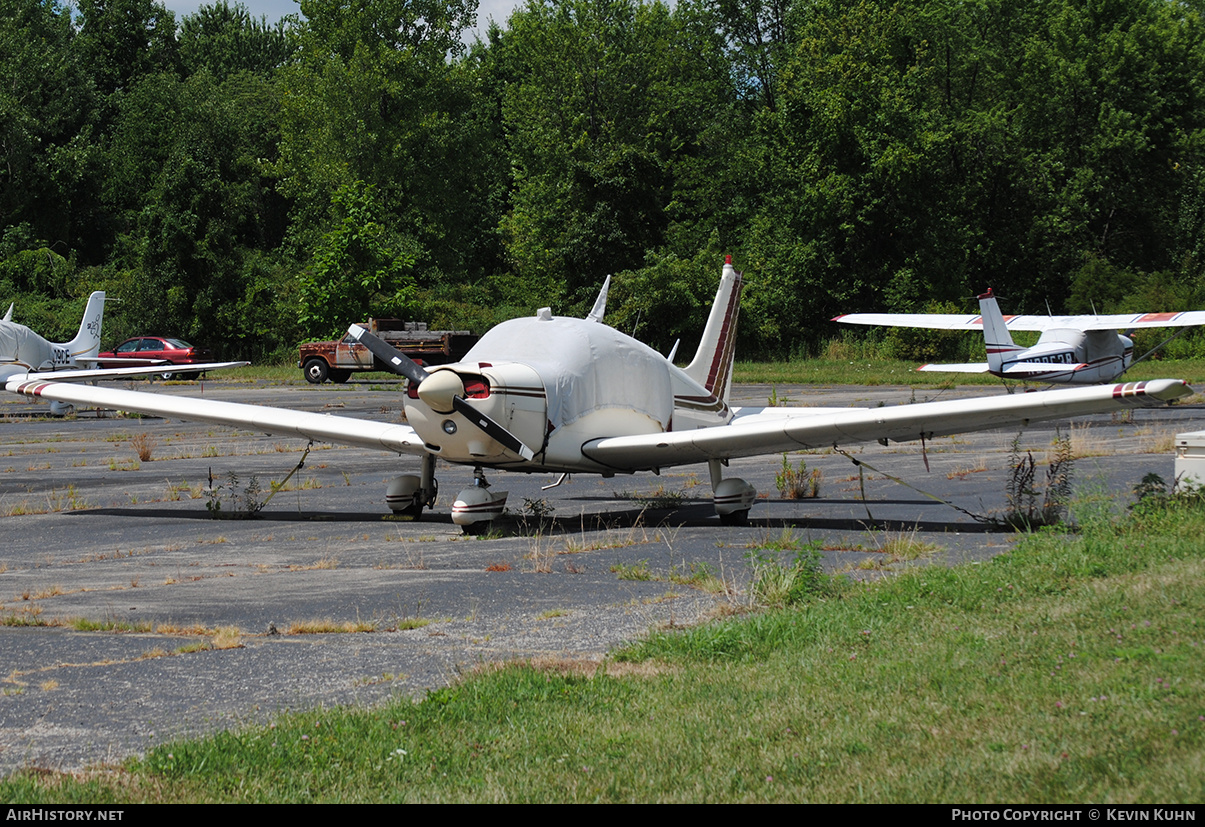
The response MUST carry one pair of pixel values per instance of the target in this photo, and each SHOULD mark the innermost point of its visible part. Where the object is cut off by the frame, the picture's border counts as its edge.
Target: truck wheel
(338, 376)
(315, 371)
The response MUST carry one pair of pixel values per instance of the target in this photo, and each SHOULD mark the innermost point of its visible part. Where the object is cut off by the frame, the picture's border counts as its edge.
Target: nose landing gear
(476, 507)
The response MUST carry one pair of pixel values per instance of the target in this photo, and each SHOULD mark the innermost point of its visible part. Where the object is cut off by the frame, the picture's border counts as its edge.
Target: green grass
(1067, 670)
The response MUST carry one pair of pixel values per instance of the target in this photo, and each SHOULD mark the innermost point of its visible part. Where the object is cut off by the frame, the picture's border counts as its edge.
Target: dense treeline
(246, 185)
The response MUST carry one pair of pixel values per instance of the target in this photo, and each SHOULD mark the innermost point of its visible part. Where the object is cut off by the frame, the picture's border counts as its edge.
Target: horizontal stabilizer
(930, 321)
(964, 367)
(1031, 368)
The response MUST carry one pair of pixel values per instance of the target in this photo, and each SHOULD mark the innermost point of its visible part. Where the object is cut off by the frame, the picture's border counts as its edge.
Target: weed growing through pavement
(328, 626)
(797, 483)
(143, 445)
(1023, 509)
(540, 555)
(664, 498)
(633, 571)
(659, 498)
(776, 584)
(240, 503)
(699, 576)
(535, 517)
(963, 472)
(785, 540)
(899, 547)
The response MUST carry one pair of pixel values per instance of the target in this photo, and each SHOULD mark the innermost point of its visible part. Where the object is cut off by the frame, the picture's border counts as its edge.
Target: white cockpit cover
(585, 366)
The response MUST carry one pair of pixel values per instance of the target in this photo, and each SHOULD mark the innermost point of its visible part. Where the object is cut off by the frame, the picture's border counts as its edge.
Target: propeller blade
(393, 358)
(403, 365)
(491, 428)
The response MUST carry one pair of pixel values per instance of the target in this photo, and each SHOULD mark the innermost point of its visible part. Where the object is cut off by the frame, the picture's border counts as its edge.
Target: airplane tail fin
(86, 343)
(996, 338)
(712, 365)
(600, 304)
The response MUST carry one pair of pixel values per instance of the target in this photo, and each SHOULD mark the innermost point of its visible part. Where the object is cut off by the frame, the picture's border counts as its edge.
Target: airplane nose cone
(438, 389)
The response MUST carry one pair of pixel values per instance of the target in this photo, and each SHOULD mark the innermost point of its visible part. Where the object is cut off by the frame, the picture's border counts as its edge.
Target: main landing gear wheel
(315, 371)
(409, 494)
(733, 496)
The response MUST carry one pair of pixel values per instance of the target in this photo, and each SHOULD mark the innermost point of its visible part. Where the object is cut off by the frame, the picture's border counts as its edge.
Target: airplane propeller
(443, 391)
(393, 358)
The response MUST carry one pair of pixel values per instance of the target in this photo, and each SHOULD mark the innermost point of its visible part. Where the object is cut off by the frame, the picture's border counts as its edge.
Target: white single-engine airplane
(1072, 350)
(26, 355)
(560, 395)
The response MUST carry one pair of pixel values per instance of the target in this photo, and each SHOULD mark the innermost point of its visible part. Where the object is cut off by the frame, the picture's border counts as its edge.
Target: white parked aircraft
(25, 355)
(560, 395)
(1072, 350)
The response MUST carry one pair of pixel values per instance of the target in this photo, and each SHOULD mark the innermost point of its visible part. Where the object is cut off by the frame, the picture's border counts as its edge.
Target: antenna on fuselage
(673, 351)
(8, 317)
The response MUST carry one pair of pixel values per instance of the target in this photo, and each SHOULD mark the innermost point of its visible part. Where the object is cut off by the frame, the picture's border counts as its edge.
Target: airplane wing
(364, 433)
(953, 321)
(71, 375)
(756, 431)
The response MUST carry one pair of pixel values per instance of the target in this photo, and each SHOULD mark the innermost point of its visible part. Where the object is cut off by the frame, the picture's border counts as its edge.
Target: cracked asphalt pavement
(95, 537)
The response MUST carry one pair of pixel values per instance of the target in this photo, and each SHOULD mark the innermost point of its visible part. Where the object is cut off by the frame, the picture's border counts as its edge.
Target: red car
(146, 350)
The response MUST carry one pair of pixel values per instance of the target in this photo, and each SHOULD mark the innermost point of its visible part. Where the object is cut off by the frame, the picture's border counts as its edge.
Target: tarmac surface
(94, 538)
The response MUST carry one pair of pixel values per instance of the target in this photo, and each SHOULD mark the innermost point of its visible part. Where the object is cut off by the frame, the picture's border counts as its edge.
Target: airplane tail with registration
(86, 344)
(996, 338)
(712, 365)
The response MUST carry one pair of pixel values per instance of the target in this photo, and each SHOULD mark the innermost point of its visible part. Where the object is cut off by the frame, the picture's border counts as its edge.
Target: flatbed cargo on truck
(337, 360)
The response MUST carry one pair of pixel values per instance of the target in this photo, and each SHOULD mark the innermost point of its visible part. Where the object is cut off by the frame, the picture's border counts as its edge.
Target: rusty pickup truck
(337, 360)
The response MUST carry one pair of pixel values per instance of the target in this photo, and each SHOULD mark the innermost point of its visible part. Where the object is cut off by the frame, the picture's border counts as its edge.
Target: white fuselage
(557, 383)
(1075, 357)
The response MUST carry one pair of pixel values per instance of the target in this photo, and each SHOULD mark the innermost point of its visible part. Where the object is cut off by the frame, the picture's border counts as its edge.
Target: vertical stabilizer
(996, 338)
(600, 304)
(86, 343)
(712, 365)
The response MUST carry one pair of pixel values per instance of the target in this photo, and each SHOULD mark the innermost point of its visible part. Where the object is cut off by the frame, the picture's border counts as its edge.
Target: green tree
(48, 169)
(375, 96)
(123, 40)
(186, 172)
(359, 269)
(225, 39)
(604, 113)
